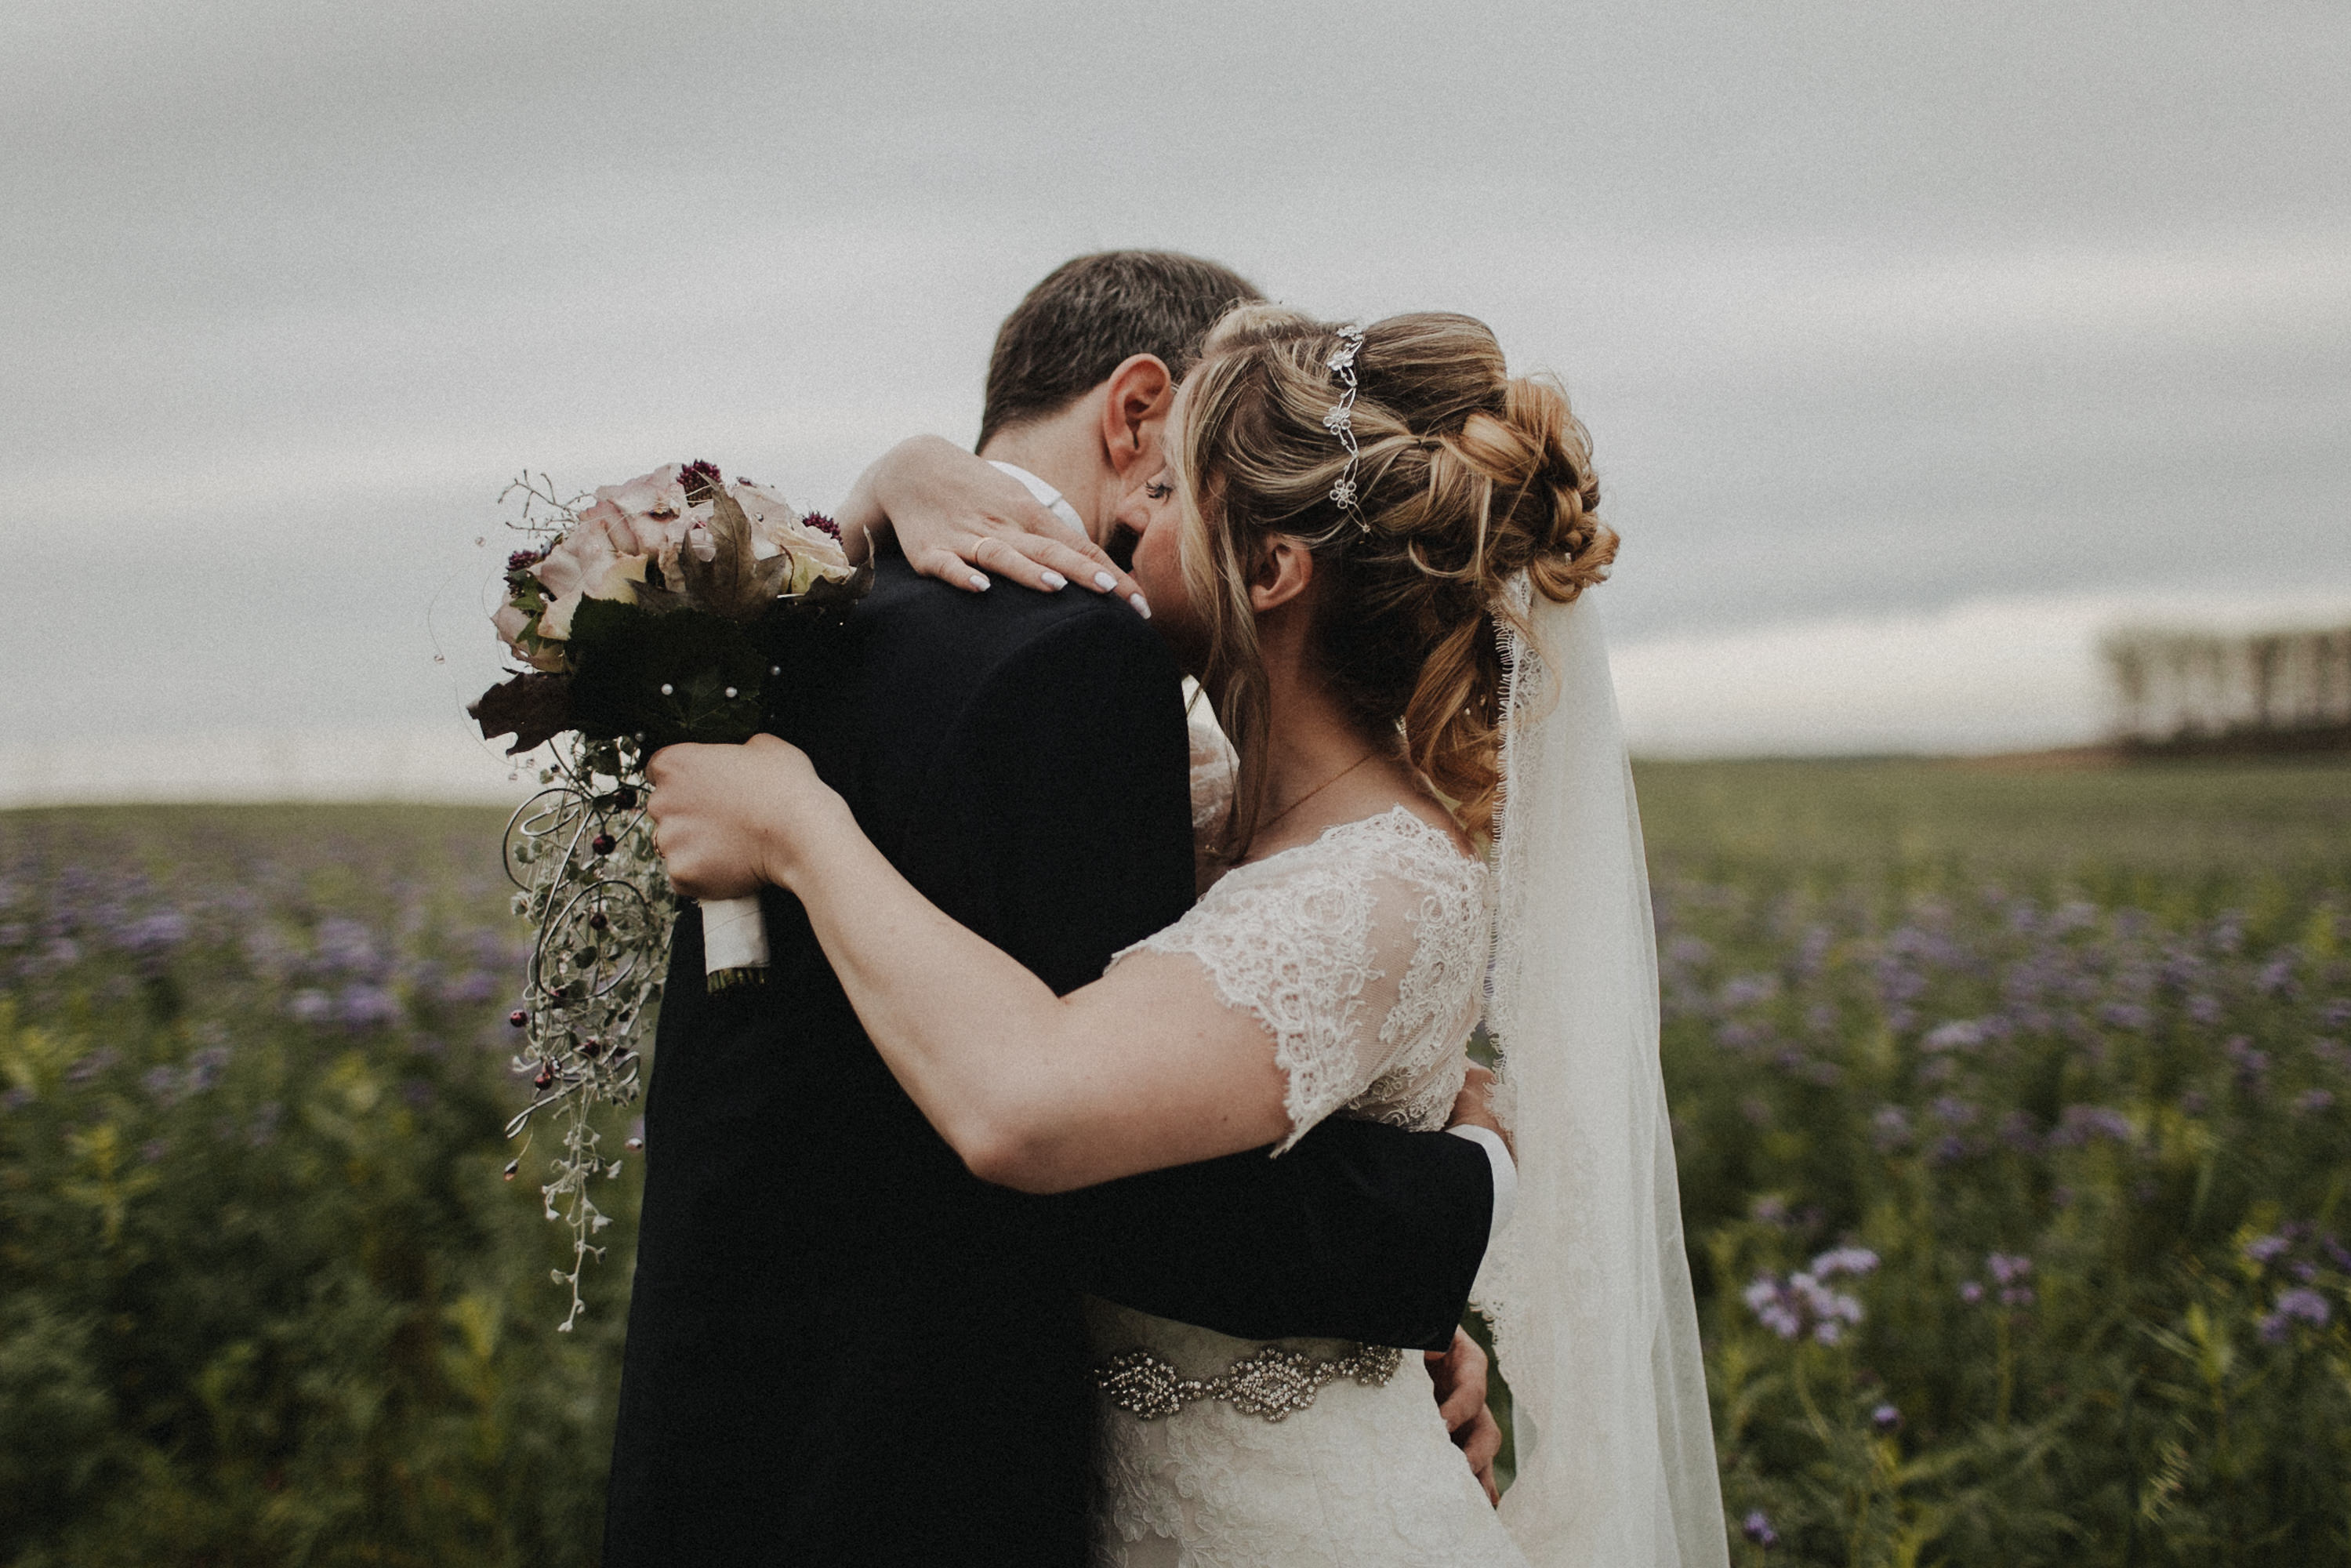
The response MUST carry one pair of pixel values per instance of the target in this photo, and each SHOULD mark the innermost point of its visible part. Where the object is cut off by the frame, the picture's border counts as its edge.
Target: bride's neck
(1310, 739)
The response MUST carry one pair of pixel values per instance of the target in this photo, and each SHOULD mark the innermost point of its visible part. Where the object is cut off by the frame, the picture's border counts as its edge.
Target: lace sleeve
(1361, 956)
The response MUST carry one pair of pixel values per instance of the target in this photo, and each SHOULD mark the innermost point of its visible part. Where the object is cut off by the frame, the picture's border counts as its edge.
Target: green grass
(263, 1298)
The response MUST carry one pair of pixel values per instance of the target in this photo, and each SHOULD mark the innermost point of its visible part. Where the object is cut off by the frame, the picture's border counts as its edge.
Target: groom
(843, 1347)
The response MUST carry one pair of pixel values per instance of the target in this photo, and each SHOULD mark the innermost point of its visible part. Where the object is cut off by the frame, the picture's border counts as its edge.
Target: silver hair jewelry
(1340, 421)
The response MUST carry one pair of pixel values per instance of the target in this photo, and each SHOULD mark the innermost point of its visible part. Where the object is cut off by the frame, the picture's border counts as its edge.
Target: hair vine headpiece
(1340, 421)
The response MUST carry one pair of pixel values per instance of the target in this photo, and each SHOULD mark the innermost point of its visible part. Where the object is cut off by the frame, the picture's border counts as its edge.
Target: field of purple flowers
(2014, 1121)
(264, 1297)
(2011, 1112)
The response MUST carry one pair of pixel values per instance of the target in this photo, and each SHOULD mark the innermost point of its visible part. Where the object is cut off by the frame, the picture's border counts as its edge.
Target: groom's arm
(1066, 779)
(1361, 1231)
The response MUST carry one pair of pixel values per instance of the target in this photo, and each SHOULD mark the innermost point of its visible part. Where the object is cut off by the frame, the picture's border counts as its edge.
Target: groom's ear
(1134, 406)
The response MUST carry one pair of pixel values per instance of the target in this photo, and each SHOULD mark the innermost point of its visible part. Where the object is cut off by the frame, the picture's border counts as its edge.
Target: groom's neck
(1066, 453)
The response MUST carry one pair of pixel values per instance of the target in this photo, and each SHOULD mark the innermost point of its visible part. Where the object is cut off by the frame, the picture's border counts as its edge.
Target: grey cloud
(1868, 306)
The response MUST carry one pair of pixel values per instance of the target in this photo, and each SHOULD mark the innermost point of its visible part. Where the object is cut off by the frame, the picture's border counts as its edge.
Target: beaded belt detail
(1272, 1384)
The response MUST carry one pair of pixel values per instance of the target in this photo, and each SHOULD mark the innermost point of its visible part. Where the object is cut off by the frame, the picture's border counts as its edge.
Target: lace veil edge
(1589, 1287)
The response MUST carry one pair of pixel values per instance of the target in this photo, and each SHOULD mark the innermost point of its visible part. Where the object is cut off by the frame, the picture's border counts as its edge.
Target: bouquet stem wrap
(734, 943)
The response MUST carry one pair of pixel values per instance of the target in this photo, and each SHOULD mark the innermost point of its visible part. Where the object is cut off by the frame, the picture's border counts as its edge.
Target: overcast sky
(1874, 310)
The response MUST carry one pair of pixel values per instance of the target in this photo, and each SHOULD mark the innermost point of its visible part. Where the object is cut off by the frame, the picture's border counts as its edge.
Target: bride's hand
(953, 512)
(727, 819)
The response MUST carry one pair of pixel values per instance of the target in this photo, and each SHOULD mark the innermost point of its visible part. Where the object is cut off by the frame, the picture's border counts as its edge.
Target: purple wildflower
(1960, 1034)
(2250, 1062)
(1954, 1111)
(1886, 1419)
(1970, 1291)
(206, 1067)
(2299, 1305)
(1889, 1129)
(2204, 1010)
(2082, 1124)
(2312, 1100)
(1757, 1528)
(1844, 1260)
(1801, 1305)
(91, 1065)
(2266, 1250)
(364, 1006)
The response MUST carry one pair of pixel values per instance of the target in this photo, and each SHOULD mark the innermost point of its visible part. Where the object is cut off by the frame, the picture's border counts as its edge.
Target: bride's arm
(1144, 1069)
(952, 512)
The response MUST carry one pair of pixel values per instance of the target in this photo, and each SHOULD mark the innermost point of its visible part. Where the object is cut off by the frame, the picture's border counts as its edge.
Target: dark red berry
(625, 798)
(603, 844)
(517, 1018)
(592, 1046)
(597, 922)
(546, 1076)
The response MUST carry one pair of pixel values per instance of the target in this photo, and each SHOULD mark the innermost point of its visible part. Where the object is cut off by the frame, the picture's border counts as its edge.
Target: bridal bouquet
(675, 607)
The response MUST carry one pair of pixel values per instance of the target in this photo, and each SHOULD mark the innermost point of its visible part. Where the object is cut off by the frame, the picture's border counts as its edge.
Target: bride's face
(1152, 514)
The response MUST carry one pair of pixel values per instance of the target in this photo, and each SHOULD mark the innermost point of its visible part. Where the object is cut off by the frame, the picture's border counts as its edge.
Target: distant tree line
(2180, 691)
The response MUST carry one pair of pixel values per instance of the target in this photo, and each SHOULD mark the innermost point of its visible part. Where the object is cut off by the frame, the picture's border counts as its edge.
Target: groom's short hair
(1090, 315)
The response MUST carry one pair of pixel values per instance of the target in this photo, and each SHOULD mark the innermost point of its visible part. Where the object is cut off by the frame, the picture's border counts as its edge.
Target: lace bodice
(1362, 954)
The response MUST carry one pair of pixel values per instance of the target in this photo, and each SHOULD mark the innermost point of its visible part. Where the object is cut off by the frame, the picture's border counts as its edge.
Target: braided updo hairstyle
(1467, 476)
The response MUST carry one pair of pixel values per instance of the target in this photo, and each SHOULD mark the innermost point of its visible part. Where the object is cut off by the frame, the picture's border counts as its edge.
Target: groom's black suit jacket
(843, 1347)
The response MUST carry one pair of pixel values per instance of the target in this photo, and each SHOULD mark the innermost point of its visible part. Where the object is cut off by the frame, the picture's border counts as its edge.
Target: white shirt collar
(1047, 496)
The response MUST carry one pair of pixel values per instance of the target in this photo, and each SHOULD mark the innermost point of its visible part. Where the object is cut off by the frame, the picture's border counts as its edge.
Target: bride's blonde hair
(1467, 476)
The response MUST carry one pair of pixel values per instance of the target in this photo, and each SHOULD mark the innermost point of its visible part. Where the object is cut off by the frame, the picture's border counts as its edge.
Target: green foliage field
(2011, 1108)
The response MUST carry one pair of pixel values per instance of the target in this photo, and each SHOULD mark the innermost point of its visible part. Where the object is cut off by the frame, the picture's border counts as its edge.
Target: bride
(1371, 547)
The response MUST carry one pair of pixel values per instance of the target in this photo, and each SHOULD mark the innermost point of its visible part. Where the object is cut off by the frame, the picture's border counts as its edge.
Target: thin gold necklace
(1359, 761)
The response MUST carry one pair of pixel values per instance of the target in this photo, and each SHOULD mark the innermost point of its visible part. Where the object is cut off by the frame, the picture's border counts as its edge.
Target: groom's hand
(1458, 1375)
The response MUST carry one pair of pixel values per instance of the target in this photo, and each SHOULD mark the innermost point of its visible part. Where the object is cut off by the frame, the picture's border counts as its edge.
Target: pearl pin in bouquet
(675, 607)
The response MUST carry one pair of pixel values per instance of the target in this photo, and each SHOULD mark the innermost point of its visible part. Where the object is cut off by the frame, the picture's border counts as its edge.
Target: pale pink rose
(621, 579)
(579, 558)
(776, 527)
(589, 559)
(512, 621)
(659, 493)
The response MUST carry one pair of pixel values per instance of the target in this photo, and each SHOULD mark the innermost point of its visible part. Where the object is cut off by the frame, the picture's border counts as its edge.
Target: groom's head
(1084, 369)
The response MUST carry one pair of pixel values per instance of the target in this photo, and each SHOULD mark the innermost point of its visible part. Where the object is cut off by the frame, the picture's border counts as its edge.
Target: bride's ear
(1283, 571)
(1135, 401)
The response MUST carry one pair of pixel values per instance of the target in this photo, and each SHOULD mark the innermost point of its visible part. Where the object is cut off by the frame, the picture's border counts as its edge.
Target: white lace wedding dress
(1364, 955)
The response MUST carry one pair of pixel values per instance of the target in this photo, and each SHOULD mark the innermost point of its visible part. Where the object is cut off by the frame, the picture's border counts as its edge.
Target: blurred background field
(2010, 1101)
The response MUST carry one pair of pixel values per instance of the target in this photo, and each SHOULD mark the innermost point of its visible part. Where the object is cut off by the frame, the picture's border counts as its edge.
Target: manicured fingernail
(977, 580)
(1055, 581)
(1141, 607)
(1105, 581)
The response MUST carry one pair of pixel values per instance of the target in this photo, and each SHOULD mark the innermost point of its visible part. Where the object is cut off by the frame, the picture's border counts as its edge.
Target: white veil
(1588, 1288)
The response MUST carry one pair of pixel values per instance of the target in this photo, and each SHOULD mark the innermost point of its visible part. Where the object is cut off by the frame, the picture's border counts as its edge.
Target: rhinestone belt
(1272, 1384)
